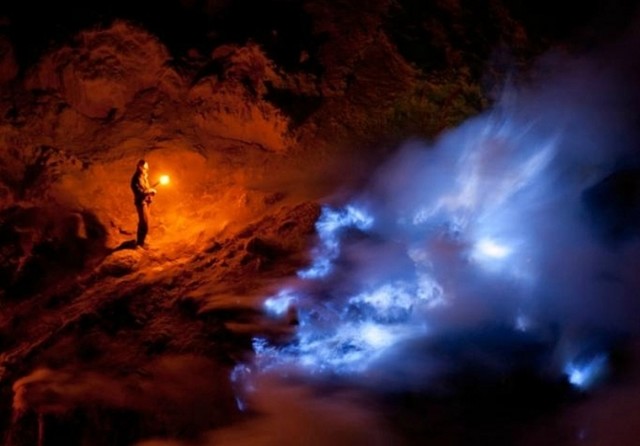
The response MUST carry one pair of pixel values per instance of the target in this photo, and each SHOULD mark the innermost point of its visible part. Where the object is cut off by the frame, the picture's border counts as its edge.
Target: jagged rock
(6, 196)
(232, 106)
(37, 243)
(347, 45)
(250, 64)
(8, 64)
(258, 247)
(43, 166)
(102, 72)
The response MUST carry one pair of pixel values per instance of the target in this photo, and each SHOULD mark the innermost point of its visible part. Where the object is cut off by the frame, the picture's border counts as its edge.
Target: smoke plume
(515, 232)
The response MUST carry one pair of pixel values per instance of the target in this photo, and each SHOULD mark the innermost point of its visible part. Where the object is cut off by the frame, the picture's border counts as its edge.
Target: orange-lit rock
(104, 69)
(232, 106)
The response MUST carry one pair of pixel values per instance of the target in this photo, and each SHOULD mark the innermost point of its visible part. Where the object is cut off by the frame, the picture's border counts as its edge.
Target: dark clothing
(141, 188)
(143, 222)
(142, 199)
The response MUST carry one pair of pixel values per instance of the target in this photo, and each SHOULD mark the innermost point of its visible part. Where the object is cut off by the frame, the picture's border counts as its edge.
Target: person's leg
(143, 223)
(147, 217)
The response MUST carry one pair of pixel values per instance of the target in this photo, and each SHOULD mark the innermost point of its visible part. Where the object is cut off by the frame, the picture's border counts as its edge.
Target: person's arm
(140, 187)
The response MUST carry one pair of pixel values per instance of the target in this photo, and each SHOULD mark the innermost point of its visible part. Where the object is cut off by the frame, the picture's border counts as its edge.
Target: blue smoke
(490, 225)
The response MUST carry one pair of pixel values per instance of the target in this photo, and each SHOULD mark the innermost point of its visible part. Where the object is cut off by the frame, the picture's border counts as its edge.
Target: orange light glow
(164, 179)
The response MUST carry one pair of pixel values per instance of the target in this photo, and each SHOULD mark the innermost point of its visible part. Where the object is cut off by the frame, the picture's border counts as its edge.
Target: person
(142, 197)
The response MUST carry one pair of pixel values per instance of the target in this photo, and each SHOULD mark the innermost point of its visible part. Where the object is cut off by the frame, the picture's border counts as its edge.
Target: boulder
(120, 263)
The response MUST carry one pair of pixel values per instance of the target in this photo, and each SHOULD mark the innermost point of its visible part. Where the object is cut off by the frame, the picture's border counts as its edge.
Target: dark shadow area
(127, 244)
(283, 28)
(37, 25)
(488, 385)
(299, 107)
(589, 20)
(42, 247)
(613, 205)
(500, 389)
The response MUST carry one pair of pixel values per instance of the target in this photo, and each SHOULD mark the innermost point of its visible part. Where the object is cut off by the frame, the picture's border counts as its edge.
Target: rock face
(76, 125)
(39, 245)
(102, 72)
(231, 105)
(8, 65)
(145, 341)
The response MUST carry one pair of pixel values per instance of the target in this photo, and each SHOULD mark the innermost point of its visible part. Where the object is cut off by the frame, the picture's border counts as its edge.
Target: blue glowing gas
(485, 226)
(492, 249)
(279, 304)
(584, 374)
(329, 225)
(468, 228)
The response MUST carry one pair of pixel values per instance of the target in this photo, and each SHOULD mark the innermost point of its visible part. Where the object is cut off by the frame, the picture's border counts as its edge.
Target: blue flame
(475, 227)
(492, 249)
(349, 338)
(350, 347)
(241, 384)
(472, 221)
(279, 304)
(584, 374)
(328, 226)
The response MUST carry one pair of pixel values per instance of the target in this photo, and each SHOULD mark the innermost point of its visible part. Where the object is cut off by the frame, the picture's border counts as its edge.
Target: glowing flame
(164, 180)
(328, 227)
(491, 248)
(279, 304)
(466, 225)
(584, 374)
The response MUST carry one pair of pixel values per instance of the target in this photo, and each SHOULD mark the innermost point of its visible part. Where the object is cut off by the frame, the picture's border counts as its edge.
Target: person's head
(142, 166)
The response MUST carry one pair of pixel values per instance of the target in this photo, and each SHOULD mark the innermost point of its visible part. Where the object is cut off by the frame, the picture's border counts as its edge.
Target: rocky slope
(104, 344)
(92, 330)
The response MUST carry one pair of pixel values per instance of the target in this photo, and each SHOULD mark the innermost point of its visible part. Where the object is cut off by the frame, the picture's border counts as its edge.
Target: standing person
(142, 196)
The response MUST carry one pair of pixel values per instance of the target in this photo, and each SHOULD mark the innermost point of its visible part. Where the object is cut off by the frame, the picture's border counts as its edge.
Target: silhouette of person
(142, 197)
